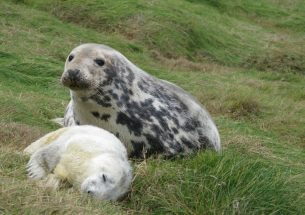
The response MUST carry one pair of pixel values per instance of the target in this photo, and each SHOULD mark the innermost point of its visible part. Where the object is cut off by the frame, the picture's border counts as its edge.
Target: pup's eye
(70, 57)
(99, 62)
(104, 178)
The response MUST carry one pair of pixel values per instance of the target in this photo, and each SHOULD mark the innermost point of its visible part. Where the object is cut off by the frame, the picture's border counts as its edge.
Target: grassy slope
(214, 53)
(222, 31)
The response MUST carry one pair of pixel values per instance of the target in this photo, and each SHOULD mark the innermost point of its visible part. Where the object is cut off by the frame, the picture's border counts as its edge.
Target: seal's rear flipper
(59, 121)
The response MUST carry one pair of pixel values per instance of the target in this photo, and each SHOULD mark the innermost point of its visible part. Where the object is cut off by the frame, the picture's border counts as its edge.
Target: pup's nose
(73, 74)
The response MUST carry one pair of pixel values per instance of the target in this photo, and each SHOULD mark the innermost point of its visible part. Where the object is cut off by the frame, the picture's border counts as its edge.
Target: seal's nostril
(89, 192)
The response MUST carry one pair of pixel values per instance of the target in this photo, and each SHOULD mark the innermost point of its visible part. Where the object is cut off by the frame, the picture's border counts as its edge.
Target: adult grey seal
(149, 115)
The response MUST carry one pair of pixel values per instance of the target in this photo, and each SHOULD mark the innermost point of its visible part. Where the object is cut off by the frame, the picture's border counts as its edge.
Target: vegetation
(244, 60)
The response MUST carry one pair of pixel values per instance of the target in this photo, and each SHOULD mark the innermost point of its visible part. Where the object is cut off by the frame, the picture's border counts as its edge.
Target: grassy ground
(244, 60)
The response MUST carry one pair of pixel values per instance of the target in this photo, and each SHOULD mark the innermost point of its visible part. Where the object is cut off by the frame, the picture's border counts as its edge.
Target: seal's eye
(99, 62)
(70, 57)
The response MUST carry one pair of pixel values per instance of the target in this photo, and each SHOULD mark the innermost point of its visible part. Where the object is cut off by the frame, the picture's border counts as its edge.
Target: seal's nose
(73, 75)
(74, 79)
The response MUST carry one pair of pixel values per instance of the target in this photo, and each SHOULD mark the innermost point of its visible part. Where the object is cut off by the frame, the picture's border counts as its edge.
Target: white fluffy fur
(88, 157)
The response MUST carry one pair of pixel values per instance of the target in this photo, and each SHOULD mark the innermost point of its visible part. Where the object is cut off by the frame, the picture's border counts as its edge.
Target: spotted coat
(149, 115)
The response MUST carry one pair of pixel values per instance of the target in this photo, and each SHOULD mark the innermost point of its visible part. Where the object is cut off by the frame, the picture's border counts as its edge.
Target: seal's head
(87, 66)
(99, 186)
(107, 177)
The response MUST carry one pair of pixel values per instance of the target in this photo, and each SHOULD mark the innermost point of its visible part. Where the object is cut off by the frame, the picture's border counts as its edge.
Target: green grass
(244, 60)
(260, 34)
(219, 184)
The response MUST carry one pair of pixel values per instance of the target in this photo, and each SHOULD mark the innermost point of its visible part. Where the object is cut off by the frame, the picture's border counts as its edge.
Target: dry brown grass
(19, 196)
(278, 61)
(247, 108)
(251, 144)
(283, 52)
(18, 135)
(183, 64)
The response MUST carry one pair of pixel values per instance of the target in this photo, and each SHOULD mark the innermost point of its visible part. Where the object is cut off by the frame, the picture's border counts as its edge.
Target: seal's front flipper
(43, 162)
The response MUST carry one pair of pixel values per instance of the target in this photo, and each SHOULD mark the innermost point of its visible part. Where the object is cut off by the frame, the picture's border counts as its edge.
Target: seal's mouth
(74, 80)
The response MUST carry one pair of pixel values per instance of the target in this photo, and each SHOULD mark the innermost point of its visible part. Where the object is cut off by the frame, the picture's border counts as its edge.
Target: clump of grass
(184, 64)
(278, 61)
(18, 135)
(247, 108)
(214, 184)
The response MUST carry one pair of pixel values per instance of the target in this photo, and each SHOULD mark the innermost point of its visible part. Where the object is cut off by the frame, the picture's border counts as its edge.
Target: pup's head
(99, 186)
(90, 65)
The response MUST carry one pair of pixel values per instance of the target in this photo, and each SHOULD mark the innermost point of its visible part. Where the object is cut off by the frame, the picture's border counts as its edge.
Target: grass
(224, 184)
(259, 34)
(242, 59)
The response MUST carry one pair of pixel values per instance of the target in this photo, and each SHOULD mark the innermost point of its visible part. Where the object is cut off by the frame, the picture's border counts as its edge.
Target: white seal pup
(90, 158)
(149, 115)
